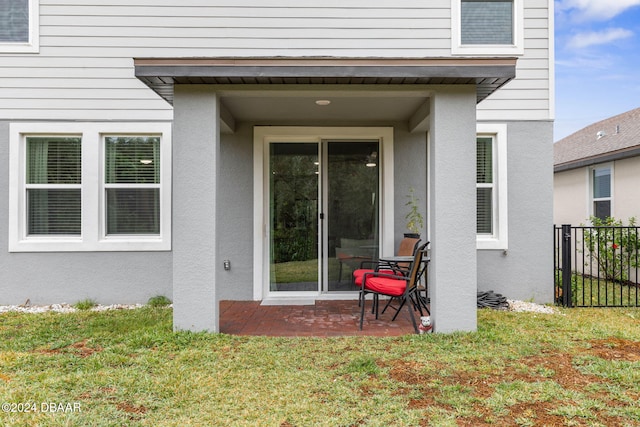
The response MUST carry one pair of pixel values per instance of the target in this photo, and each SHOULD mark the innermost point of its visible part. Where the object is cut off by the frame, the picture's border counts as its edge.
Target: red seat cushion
(359, 274)
(386, 286)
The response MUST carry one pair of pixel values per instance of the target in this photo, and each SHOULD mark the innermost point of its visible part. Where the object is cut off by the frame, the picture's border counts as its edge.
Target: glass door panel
(352, 206)
(293, 217)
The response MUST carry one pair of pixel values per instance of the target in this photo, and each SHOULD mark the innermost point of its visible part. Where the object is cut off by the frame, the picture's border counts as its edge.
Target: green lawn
(591, 292)
(127, 368)
(307, 271)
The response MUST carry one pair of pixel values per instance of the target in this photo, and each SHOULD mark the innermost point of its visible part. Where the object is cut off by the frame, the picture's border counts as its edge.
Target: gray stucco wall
(46, 278)
(235, 231)
(410, 171)
(526, 270)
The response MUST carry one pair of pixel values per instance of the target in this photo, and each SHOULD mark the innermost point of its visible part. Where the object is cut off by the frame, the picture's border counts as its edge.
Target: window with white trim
(491, 186)
(90, 187)
(601, 195)
(19, 28)
(487, 27)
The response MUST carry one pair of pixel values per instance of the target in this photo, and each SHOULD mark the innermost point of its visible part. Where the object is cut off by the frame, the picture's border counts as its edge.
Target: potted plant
(415, 221)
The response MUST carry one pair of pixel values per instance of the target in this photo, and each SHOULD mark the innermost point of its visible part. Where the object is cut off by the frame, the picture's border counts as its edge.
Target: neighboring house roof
(611, 139)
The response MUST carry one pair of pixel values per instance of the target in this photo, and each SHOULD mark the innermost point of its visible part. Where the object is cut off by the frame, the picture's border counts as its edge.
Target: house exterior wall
(626, 196)
(84, 68)
(524, 270)
(45, 278)
(84, 71)
(572, 198)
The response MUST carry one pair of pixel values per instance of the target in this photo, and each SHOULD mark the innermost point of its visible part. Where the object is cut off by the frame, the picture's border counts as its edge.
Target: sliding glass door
(294, 196)
(352, 206)
(323, 213)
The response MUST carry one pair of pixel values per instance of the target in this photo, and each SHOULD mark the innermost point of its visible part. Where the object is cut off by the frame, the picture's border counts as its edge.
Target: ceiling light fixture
(323, 102)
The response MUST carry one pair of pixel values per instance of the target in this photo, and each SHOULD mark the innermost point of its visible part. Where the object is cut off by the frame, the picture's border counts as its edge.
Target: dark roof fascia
(160, 74)
(609, 157)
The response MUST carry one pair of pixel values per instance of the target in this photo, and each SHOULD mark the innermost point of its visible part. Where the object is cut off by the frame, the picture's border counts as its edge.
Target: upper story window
(89, 187)
(486, 22)
(19, 26)
(601, 194)
(487, 27)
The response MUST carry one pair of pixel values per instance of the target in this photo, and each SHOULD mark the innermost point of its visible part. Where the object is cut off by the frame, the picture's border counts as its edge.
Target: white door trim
(262, 136)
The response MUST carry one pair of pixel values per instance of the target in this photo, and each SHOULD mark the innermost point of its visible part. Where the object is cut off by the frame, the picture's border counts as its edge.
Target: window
(90, 187)
(486, 22)
(485, 184)
(132, 185)
(601, 184)
(491, 186)
(487, 27)
(19, 25)
(53, 186)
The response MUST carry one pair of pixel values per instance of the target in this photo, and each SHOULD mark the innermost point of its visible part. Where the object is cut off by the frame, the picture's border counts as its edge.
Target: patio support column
(452, 219)
(196, 153)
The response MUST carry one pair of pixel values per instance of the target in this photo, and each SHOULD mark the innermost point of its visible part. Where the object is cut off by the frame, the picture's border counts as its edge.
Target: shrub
(158, 301)
(85, 304)
(613, 246)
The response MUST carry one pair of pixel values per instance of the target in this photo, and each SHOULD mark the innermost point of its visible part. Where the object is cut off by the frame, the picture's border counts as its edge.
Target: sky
(597, 62)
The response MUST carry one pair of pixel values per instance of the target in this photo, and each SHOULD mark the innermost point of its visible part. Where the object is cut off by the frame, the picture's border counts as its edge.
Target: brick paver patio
(323, 319)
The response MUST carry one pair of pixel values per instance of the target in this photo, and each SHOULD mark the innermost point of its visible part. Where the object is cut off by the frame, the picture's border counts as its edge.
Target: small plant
(85, 304)
(158, 301)
(415, 221)
(613, 246)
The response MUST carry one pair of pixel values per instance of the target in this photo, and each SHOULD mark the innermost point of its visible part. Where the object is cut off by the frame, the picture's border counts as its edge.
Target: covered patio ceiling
(360, 90)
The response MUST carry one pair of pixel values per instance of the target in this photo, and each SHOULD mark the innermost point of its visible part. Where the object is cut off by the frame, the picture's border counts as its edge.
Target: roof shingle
(617, 134)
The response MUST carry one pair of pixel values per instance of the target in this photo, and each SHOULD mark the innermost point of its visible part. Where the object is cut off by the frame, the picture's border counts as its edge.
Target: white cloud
(593, 38)
(599, 10)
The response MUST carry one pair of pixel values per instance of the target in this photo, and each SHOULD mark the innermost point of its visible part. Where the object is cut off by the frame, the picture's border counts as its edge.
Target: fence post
(566, 266)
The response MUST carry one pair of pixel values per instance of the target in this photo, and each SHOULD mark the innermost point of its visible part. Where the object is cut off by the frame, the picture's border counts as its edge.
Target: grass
(592, 292)
(127, 367)
(85, 304)
(306, 271)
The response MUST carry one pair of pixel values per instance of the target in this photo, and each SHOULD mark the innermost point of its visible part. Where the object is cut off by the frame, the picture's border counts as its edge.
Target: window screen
(485, 185)
(14, 21)
(53, 178)
(602, 193)
(132, 181)
(601, 183)
(487, 22)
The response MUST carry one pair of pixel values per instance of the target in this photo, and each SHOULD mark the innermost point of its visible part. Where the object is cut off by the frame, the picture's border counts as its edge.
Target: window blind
(487, 22)
(14, 21)
(601, 183)
(53, 178)
(484, 178)
(132, 181)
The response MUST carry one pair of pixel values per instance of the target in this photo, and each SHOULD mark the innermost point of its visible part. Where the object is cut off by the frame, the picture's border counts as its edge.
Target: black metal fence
(597, 266)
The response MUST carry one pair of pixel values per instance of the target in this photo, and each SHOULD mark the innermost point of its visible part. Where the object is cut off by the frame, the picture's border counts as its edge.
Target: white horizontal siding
(529, 96)
(84, 69)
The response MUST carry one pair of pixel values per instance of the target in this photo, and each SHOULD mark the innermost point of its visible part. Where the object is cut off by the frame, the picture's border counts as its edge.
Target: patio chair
(393, 286)
(354, 253)
(419, 296)
(407, 247)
